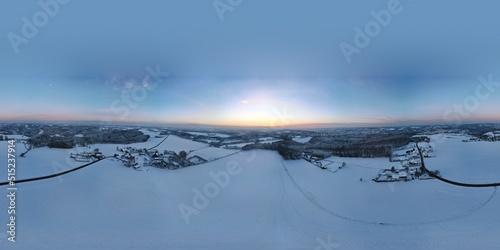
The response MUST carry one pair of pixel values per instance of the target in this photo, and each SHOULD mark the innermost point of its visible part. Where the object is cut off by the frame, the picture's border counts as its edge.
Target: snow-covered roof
(489, 134)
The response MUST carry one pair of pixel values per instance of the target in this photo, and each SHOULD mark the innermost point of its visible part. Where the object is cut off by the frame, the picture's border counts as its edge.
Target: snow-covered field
(212, 153)
(472, 162)
(240, 145)
(302, 139)
(255, 200)
(210, 134)
(45, 161)
(177, 144)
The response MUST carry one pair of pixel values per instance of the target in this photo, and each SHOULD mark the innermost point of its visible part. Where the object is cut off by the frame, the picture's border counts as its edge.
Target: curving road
(157, 145)
(53, 175)
(456, 183)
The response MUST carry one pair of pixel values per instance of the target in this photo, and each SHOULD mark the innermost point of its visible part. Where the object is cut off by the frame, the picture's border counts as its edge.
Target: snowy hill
(255, 200)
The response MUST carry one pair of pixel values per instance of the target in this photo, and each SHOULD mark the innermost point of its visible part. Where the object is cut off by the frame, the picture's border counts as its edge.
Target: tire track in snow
(290, 224)
(313, 201)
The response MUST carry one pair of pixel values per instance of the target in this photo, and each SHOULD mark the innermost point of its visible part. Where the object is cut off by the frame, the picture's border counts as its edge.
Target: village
(87, 156)
(313, 146)
(136, 158)
(410, 164)
(408, 157)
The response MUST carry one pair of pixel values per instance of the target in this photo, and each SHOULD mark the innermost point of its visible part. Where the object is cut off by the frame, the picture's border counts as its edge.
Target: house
(407, 174)
(321, 154)
(381, 178)
(197, 159)
(175, 165)
(395, 176)
(154, 153)
(129, 160)
(403, 175)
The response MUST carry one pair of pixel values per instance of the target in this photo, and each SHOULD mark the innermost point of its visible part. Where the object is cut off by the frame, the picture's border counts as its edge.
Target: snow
(268, 140)
(196, 160)
(177, 144)
(302, 139)
(212, 153)
(219, 135)
(472, 162)
(232, 141)
(271, 141)
(17, 137)
(38, 162)
(46, 161)
(492, 134)
(240, 145)
(270, 204)
(209, 134)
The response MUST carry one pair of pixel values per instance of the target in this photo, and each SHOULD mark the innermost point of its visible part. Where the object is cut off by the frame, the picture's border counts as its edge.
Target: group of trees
(289, 153)
(60, 144)
(375, 145)
(182, 155)
(370, 146)
(51, 142)
(288, 149)
(115, 136)
(364, 151)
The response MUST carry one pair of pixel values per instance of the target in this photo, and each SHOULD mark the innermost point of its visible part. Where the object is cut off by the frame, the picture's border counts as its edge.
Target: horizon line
(291, 126)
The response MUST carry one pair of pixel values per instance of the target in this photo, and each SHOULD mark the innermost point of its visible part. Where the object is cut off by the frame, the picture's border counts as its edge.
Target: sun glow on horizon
(245, 103)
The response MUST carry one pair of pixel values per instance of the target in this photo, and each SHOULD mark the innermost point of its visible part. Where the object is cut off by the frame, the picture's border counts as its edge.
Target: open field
(268, 204)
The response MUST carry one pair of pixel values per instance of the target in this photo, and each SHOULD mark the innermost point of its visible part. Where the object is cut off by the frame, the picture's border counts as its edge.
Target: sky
(250, 63)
